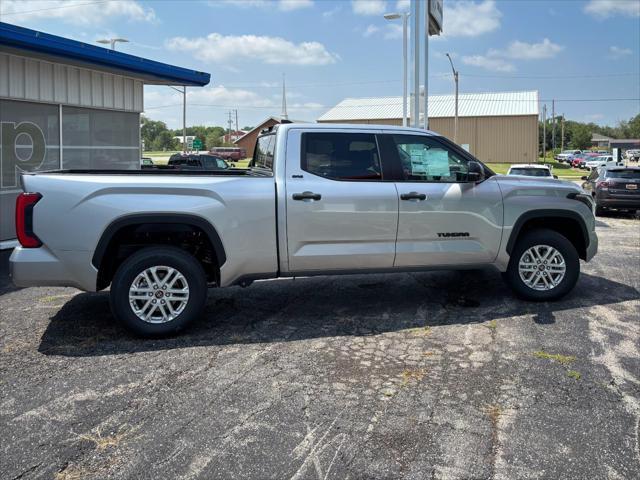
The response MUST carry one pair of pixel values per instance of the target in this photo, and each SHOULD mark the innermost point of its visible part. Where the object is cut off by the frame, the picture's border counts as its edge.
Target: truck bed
(239, 172)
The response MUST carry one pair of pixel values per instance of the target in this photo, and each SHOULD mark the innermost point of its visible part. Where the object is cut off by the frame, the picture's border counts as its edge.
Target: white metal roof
(469, 105)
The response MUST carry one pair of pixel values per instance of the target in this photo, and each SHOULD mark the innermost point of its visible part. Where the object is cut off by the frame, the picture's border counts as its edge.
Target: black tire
(563, 246)
(600, 211)
(149, 257)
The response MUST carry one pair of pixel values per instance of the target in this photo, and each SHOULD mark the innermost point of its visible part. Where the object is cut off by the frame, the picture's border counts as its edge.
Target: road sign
(197, 144)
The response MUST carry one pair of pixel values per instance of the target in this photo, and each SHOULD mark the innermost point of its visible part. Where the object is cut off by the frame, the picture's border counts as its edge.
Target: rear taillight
(24, 220)
(603, 185)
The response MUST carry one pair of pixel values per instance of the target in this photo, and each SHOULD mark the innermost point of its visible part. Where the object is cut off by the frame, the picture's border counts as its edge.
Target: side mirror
(475, 173)
(583, 178)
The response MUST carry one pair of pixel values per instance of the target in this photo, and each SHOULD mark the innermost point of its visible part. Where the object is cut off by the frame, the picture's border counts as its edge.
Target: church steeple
(283, 115)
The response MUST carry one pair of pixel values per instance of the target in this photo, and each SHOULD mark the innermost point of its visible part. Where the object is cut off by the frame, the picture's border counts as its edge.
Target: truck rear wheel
(544, 266)
(158, 291)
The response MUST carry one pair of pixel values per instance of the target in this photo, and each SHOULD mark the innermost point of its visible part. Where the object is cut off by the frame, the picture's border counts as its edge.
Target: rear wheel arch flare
(181, 222)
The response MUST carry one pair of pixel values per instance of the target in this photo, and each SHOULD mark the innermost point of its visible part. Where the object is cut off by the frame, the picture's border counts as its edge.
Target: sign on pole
(435, 17)
(197, 144)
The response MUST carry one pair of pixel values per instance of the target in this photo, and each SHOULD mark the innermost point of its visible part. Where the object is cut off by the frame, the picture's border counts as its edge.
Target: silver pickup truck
(318, 199)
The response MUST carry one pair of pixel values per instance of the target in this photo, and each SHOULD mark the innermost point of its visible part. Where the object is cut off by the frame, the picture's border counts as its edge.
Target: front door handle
(413, 196)
(306, 196)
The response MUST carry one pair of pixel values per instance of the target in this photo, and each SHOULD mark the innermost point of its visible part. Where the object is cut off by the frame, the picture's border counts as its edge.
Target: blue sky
(330, 50)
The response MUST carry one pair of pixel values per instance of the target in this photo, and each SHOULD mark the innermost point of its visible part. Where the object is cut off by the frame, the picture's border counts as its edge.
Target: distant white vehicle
(531, 170)
(602, 161)
(632, 154)
(566, 155)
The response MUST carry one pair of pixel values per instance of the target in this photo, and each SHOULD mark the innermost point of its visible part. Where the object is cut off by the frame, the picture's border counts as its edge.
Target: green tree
(164, 141)
(581, 136)
(150, 130)
(213, 140)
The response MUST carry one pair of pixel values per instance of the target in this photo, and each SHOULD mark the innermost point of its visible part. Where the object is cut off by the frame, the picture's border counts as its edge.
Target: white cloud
(618, 52)
(223, 96)
(272, 50)
(282, 5)
(608, 8)
(403, 5)
(489, 62)
(370, 30)
(533, 51)
(289, 5)
(332, 12)
(393, 31)
(78, 12)
(470, 19)
(594, 117)
(496, 59)
(368, 7)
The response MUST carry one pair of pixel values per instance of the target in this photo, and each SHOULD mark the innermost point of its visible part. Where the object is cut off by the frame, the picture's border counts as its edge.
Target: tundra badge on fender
(453, 234)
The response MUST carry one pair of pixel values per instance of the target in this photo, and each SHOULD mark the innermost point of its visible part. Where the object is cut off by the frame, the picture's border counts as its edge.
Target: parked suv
(197, 162)
(566, 155)
(616, 188)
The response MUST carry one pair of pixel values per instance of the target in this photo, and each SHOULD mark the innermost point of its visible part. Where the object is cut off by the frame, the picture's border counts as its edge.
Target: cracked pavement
(425, 375)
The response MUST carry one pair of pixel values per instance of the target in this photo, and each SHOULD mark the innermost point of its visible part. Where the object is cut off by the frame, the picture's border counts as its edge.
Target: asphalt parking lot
(430, 375)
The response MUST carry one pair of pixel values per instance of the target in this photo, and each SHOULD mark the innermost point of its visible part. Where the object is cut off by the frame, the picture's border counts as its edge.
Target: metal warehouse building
(497, 127)
(68, 104)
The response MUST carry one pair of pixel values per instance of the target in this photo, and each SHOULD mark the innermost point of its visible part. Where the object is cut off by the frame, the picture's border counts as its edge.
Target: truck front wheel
(157, 291)
(544, 266)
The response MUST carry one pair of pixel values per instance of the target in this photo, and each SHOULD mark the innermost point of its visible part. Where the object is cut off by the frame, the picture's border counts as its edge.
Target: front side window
(341, 156)
(424, 159)
(265, 150)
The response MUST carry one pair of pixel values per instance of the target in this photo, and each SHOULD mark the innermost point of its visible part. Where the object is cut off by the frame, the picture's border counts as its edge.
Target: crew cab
(317, 199)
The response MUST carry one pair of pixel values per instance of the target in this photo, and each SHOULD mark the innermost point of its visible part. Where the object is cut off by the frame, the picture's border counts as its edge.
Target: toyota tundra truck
(317, 199)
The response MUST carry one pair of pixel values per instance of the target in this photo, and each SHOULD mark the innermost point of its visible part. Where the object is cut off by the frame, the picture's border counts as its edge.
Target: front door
(443, 218)
(341, 213)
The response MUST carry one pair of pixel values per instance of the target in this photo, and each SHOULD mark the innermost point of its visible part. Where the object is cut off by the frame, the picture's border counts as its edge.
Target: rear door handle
(413, 196)
(306, 196)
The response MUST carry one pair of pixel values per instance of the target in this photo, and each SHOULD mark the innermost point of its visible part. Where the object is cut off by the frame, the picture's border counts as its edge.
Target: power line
(53, 8)
(552, 77)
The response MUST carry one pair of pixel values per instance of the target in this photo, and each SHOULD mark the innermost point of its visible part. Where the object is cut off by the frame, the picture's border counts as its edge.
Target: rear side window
(265, 150)
(531, 172)
(341, 156)
(628, 174)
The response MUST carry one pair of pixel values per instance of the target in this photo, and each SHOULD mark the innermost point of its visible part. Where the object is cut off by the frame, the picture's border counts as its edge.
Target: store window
(100, 139)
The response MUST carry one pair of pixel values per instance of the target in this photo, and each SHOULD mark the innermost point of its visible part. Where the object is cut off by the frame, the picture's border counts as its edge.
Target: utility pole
(229, 123)
(544, 133)
(236, 120)
(184, 118)
(562, 132)
(426, 65)
(415, 34)
(455, 78)
(553, 128)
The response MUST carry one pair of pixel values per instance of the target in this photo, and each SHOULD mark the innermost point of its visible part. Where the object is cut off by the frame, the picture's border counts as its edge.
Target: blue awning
(150, 71)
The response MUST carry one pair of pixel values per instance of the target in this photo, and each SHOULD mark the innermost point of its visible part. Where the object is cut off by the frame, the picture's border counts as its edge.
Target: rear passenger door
(342, 212)
(443, 218)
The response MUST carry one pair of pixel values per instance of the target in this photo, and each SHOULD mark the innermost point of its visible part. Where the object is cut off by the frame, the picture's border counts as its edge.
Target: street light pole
(184, 114)
(405, 40)
(455, 78)
(184, 117)
(112, 41)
